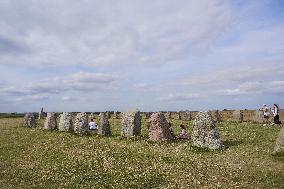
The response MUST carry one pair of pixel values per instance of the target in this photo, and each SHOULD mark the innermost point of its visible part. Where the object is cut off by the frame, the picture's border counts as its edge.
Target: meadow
(36, 158)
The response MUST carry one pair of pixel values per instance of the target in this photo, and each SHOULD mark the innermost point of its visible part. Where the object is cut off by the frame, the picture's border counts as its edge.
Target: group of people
(266, 114)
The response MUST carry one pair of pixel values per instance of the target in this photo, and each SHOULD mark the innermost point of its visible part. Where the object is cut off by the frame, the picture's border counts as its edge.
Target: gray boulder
(104, 126)
(258, 116)
(237, 116)
(159, 128)
(29, 120)
(131, 123)
(279, 145)
(50, 121)
(65, 122)
(81, 125)
(205, 134)
(215, 115)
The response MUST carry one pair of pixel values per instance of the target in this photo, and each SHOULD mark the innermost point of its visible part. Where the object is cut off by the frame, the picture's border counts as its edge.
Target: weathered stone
(168, 116)
(215, 115)
(279, 145)
(148, 115)
(104, 126)
(50, 121)
(81, 125)
(108, 114)
(258, 116)
(29, 120)
(187, 116)
(131, 123)
(237, 116)
(41, 114)
(205, 134)
(159, 128)
(65, 122)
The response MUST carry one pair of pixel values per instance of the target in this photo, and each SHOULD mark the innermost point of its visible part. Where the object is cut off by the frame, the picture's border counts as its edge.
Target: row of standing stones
(205, 134)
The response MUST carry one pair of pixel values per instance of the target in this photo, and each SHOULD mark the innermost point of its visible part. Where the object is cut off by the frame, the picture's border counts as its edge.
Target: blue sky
(153, 55)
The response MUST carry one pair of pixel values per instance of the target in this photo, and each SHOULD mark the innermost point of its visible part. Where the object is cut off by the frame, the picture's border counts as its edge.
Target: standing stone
(108, 114)
(177, 116)
(50, 121)
(81, 125)
(237, 116)
(258, 116)
(41, 114)
(216, 116)
(279, 145)
(159, 128)
(29, 121)
(103, 126)
(168, 116)
(205, 134)
(148, 115)
(65, 122)
(131, 123)
(187, 116)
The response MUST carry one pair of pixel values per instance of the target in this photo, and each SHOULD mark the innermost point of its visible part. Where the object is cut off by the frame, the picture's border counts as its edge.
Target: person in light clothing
(183, 134)
(266, 113)
(92, 124)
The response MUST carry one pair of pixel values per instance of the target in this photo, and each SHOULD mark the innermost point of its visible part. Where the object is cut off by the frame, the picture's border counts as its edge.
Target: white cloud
(182, 97)
(81, 81)
(109, 32)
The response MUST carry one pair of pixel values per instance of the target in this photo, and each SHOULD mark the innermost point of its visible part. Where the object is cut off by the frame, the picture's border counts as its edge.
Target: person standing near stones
(275, 111)
(266, 113)
(92, 124)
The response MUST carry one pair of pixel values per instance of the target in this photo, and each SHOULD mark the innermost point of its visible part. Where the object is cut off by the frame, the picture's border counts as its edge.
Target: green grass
(36, 158)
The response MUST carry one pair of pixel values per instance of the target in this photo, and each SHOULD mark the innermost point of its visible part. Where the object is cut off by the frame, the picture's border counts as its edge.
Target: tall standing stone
(205, 134)
(237, 116)
(108, 114)
(65, 122)
(159, 128)
(187, 115)
(104, 126)
(131, 123)
(279, 145)
(258, 116)
(215, 115)
(41, 114)
(81, 125)
(50, 121)
(29, 120)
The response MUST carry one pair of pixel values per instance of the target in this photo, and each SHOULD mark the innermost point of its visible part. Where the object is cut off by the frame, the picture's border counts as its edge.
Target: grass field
(35, 158)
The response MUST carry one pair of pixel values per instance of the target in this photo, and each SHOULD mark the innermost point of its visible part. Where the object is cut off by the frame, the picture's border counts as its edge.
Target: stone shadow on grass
(229, 143)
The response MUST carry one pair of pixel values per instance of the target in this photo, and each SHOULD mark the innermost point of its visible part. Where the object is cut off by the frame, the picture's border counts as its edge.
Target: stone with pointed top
(159, 128)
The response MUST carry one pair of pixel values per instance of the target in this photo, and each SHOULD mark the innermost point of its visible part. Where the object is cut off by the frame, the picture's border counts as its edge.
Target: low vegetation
(36, 158)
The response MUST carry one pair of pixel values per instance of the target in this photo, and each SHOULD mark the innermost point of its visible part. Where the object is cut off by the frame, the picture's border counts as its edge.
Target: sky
(162, 55)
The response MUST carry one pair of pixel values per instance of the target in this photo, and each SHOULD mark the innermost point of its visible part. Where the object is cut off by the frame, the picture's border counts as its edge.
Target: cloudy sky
(94, 55)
